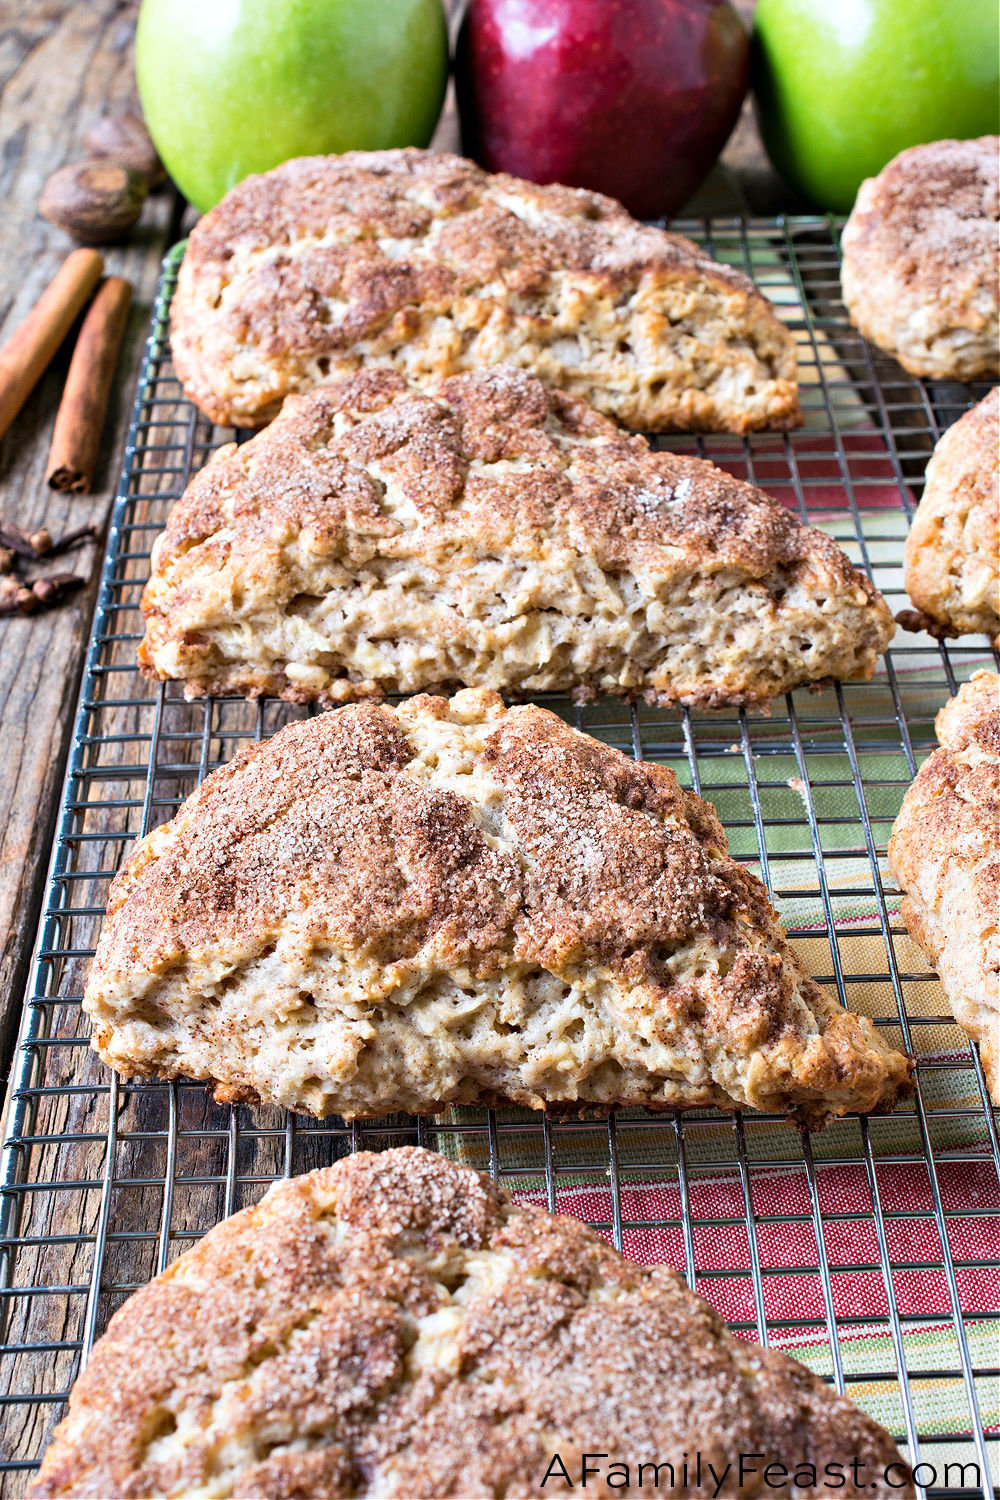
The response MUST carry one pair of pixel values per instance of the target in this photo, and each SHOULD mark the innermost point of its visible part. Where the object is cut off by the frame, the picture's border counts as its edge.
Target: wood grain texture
(61, 67)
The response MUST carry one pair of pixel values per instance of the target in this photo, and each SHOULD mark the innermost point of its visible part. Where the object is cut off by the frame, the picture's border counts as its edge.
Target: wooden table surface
(62, 66)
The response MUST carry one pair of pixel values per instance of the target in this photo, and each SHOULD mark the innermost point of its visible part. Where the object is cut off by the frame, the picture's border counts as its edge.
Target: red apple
(634, 98)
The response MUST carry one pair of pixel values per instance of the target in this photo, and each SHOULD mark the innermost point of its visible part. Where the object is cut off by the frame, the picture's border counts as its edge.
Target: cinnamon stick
(77, 435)
(32, 345)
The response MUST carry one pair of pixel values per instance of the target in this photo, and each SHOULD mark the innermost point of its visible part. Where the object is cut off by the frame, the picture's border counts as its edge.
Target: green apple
(841, 86)
(230, 87)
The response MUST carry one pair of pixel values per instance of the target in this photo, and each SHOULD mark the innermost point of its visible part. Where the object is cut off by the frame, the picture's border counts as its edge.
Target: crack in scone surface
(397, 909)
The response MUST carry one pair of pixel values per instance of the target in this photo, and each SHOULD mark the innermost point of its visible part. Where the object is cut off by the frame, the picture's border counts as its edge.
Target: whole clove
(22, 596)
(50, 589)
(39, 543)
(30, 544)
(75, 538)
(16, 598)
(16, 540)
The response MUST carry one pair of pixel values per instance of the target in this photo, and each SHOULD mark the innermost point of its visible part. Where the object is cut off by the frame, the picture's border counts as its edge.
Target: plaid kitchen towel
(814, 1303)
(795, 1303)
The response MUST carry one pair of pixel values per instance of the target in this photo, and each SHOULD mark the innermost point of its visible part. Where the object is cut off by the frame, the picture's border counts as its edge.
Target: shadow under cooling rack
(869, 1250)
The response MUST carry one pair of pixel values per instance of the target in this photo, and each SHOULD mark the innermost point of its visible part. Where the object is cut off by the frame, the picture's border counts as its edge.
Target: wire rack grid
(870, 1250)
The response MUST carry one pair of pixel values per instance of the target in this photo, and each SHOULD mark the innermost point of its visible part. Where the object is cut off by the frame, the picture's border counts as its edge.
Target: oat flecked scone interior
(945, 854)
(952, 569)
(394, 1326)
(491, 534)
(920, 259)
(424, 262)
(442, 903)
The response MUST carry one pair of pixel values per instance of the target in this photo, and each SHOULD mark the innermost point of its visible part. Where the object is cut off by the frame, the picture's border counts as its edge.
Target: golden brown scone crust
(424, 262)
(945, 854)
(452, 902)
(395, 1326)
(920, 259)
(953, 549)
(491, 534)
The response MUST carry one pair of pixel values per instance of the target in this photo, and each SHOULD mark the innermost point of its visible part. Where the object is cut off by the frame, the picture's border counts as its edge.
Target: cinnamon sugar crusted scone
(492, 534)
(945, 854)
(444, 903)
(920, 259)
(953, 549)
(426, 263)
(395, 1326)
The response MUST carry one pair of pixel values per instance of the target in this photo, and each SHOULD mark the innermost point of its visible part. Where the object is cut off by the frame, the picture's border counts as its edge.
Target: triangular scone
(394, 1326)
(496, 535)
(945, 853)
(425, 263)
(403, 908)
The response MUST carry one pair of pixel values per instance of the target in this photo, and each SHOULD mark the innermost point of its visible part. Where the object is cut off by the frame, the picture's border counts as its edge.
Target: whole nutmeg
(125, 139)
(97, 201)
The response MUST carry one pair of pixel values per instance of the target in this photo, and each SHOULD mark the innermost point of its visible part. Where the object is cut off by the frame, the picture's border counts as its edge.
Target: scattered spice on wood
(27, 596)
(18, 541)
(39, 543)
(76, 439)
(31, 346)
(52, 587)
(20, 598)
(16, 598)
(70, 539)
(22, 360)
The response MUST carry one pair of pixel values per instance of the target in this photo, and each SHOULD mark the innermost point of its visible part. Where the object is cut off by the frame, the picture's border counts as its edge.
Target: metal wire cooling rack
(870, 1250)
